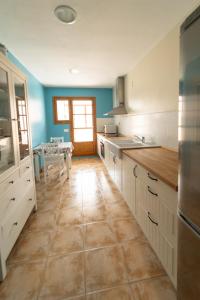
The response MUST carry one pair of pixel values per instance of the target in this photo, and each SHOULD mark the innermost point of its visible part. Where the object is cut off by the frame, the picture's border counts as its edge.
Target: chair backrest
(50, 149)
(57, 139)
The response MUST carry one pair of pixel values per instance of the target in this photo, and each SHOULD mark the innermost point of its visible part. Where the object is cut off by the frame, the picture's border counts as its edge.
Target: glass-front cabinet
(7, 151)
(17, 184)
(22, 117)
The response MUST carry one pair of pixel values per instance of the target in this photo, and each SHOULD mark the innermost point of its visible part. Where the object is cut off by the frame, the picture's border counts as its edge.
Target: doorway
(83, 125)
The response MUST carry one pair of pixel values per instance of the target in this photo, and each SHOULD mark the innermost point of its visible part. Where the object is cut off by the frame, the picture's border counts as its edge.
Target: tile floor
(83, 243)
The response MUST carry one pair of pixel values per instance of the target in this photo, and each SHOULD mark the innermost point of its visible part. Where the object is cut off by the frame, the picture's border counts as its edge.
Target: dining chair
(52, 157)
(57, 139)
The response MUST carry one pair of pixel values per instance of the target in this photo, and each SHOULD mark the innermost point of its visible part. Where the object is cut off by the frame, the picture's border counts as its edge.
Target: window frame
(55, 112)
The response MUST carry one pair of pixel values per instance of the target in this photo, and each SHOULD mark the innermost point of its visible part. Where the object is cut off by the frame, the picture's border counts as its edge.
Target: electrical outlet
(66, 130)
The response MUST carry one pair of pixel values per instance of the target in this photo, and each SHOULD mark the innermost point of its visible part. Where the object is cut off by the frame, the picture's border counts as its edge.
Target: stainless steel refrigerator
(189, 151)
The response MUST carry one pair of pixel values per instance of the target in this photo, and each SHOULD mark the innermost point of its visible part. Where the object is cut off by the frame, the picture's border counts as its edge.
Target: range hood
(120, 97)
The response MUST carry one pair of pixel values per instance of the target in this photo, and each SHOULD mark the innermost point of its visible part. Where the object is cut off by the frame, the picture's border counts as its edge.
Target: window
(61, 110)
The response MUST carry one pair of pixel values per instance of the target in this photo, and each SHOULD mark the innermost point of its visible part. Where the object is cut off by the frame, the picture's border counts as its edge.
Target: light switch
(66, 130)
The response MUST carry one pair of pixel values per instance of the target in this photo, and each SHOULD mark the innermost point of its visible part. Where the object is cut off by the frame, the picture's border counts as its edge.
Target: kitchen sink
(118, 145)
(126, 143)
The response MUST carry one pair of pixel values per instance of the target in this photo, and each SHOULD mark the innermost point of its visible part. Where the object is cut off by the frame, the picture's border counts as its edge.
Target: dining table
(64, 147)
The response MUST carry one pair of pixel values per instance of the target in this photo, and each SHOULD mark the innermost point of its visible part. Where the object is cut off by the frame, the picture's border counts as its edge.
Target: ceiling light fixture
(65, 14)
(74, 71)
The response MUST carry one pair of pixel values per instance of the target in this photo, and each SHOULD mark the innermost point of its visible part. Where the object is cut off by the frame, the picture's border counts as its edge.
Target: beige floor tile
(42, 221)
(75, 298)
(91, 200)
(48, 204)
(126, 229)
(68, 239)
(32, 246)
(154, 289)
(69, 202)
(141, 260)
(22, 282)
(99, 235)
(104, 268)
(119, 210)
(64, 277)
(70, 216)
(118, 293)
(94, 213)
(113, 198)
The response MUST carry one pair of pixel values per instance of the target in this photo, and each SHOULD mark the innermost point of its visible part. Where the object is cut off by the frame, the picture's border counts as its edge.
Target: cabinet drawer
(9, 182)
(27, 179)
(25, 166)
(9, 200)
(14, 222)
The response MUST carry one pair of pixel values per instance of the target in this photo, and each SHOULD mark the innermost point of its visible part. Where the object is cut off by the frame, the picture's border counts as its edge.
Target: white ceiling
(108, 39)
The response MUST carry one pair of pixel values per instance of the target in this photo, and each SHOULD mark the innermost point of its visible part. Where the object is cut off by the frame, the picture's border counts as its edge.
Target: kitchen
(112, 214)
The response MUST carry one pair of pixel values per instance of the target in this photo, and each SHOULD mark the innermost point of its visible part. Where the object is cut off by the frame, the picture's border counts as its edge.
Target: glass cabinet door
(21, 106)
(7, 155)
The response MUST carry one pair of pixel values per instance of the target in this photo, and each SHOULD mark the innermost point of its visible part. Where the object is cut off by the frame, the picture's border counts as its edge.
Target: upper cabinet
(7, 124)
(22, 116)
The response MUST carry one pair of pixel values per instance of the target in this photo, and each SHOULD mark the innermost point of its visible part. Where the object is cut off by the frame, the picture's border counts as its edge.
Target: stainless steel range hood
(120, 97)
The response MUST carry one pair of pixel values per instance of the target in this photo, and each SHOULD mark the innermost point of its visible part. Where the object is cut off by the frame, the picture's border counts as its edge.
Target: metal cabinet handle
(13, 199)
(11, 182)
(114, 159)
(14, 119)
(15, 224)
(152, 178)
(149, 190)
(134, 173)
(28, 180)
(27, 167)
(30, 199)
(149, 216)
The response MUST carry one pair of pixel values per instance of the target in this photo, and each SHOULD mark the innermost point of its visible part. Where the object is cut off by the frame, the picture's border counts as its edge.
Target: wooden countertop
(161, 162)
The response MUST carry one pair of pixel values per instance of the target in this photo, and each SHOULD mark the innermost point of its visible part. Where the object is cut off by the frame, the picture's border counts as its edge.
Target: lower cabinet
(113, 164)
(152, 202)
(129, 182)
(154, 205)
(18, 199)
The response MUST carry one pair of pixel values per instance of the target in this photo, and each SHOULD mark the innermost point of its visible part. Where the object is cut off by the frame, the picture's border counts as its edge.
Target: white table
(66, 147)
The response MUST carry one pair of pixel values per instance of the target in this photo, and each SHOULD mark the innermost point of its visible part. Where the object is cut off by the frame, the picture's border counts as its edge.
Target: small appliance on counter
(110, 130)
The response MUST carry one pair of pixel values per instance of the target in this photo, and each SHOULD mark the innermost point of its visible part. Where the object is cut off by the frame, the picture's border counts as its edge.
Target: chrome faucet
(141, 138)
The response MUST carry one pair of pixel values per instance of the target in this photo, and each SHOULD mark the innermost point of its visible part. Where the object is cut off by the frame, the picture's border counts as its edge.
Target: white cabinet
(17, 186)
(115, 168)
(99, 146)
(129, 182)
(154, 204)
(112, 161)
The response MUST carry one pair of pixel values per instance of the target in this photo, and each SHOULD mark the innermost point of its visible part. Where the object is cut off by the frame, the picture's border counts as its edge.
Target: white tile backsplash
(103, 121)
(162, 127)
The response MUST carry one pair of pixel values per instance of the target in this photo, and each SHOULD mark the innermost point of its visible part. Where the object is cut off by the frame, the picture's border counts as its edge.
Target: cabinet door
(8, 153)
(140, 198)
(22, 116)
(118, 172)
(107, 154)
(98, 147)
(128, 182)
(112, 165)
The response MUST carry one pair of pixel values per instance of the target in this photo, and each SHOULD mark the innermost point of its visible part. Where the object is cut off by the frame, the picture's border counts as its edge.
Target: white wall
(152, 94)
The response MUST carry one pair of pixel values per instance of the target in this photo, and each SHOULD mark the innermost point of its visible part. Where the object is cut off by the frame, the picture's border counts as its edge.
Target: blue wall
(104, 103)
(36, 104)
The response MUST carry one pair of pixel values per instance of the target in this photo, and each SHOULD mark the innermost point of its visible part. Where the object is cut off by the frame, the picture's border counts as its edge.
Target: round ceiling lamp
(74, 71)
(65, 14)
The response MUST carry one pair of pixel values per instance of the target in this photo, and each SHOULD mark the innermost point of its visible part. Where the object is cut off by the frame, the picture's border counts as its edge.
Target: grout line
(147, 279)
